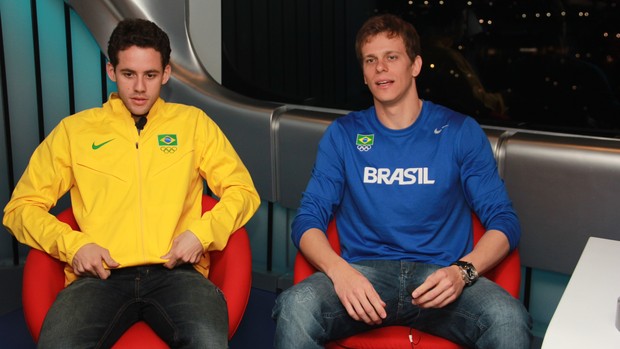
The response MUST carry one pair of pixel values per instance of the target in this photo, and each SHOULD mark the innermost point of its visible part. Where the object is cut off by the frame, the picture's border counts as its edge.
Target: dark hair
(392, 25)
(141, 33)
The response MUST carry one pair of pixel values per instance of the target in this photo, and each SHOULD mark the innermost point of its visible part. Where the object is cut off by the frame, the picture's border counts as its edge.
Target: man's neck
(400, 116)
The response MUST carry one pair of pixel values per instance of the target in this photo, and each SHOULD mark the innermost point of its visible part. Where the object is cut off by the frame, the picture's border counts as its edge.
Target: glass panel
(547, 65)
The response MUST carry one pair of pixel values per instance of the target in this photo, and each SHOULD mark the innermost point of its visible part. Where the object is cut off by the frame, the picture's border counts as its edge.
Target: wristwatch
(468, 271)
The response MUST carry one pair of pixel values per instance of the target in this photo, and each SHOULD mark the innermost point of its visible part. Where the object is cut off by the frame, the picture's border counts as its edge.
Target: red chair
(506, 274)
(231, 271)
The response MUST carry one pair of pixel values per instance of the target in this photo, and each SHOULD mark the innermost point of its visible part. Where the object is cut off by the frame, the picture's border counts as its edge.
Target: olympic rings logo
(364, 147)
(168, 150)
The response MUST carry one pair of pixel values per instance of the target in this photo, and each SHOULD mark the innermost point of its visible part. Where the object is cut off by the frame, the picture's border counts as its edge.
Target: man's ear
(167, 72)
(110, 70)
(416, 66)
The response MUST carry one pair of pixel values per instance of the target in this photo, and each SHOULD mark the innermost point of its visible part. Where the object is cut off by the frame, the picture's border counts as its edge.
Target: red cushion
(393, 337)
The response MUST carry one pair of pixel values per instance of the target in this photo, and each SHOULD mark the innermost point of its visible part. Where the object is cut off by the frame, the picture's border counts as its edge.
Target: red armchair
(506, 274)
(231, 271)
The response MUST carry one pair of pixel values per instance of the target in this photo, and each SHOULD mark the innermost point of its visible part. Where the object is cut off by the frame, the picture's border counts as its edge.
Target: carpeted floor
(13, 331)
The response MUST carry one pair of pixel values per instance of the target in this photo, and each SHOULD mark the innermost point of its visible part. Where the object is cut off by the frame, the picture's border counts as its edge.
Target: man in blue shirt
(402, 179)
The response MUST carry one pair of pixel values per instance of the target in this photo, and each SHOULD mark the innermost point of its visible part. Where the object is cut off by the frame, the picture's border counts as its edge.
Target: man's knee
(508, 325)
(299, 300)
(510, 313)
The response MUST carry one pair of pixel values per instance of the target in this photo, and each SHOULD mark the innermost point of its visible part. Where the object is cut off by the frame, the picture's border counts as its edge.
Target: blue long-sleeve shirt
(406, 194)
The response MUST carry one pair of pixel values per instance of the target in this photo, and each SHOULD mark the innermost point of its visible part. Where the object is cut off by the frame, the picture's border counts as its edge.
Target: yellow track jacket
(132, 193)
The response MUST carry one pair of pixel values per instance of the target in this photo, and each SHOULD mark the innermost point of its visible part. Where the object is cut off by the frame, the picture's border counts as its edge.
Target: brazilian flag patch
(167, 140)
(365, 139)
(167, 143)
(364, 142)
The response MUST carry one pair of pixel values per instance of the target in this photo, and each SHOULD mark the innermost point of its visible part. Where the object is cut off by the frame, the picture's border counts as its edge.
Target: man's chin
(142, 111)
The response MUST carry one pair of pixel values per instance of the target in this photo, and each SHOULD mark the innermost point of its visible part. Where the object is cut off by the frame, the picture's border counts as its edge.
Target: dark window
(547, 65)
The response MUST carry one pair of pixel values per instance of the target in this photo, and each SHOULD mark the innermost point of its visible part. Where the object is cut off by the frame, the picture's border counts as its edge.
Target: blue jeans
(310, 314)
(183, 307)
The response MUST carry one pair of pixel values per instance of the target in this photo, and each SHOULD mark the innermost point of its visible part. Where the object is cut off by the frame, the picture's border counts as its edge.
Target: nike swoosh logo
(97, 146)
(438, 130)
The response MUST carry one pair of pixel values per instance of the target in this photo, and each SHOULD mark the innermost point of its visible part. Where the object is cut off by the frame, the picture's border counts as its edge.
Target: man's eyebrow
(385, 53)
(151, 71)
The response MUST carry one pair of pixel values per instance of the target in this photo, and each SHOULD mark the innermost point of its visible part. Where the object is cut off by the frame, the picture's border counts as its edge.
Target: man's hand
(90, 259)
(186, 248)
(355, 292)
(358, 295)
(441, 288)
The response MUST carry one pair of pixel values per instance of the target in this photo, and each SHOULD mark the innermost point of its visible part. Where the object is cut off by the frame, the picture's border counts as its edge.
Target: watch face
(470, 275)
(469, 271)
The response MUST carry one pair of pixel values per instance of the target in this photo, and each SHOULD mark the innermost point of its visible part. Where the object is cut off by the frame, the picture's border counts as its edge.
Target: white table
(586, 314)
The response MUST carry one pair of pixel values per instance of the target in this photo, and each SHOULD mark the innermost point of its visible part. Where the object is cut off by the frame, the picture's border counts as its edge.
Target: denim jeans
(484, 316)
(183, 307)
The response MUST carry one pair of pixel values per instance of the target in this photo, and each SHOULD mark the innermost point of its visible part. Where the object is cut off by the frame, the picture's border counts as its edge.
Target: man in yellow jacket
(135, 170)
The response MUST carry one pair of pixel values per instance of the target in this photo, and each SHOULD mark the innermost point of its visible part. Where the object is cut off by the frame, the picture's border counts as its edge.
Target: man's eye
(370, 60)
(392, 58)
